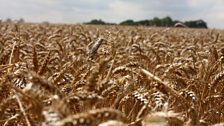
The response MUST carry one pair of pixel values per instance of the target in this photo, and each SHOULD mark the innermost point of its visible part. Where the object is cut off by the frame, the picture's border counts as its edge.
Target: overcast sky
(77, 11)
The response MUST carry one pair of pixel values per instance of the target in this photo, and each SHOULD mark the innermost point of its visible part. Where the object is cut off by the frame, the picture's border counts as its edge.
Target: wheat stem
(22, 109)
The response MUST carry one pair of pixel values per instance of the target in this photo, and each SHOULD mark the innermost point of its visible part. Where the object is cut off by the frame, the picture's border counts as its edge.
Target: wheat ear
(165, 86)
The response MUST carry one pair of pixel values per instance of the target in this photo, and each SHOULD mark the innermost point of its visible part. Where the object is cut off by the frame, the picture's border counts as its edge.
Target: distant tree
(143, 22)
(196, 24)
(127, 22)
(167, 21)
(156, 21)
(164, 22)
(151, 23)
(201, 24)
(95, 21)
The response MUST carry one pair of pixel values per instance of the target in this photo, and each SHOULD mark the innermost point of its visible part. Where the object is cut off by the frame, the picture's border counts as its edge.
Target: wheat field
(84, 75)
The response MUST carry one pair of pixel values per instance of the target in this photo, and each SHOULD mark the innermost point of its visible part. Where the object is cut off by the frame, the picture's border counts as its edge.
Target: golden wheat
(60, 75)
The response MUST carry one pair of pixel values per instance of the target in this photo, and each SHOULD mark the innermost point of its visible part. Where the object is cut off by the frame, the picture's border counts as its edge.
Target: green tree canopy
(128, 22)
(96, 21)
(161, 22)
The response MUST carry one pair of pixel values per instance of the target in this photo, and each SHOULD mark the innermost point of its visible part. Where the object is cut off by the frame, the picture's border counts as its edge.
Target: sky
(114, 11)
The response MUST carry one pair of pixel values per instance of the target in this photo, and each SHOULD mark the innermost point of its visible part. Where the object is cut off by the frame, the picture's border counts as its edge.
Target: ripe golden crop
(84, 75)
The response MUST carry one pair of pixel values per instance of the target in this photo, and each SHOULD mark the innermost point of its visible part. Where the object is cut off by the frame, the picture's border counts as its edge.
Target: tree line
(159, 22)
